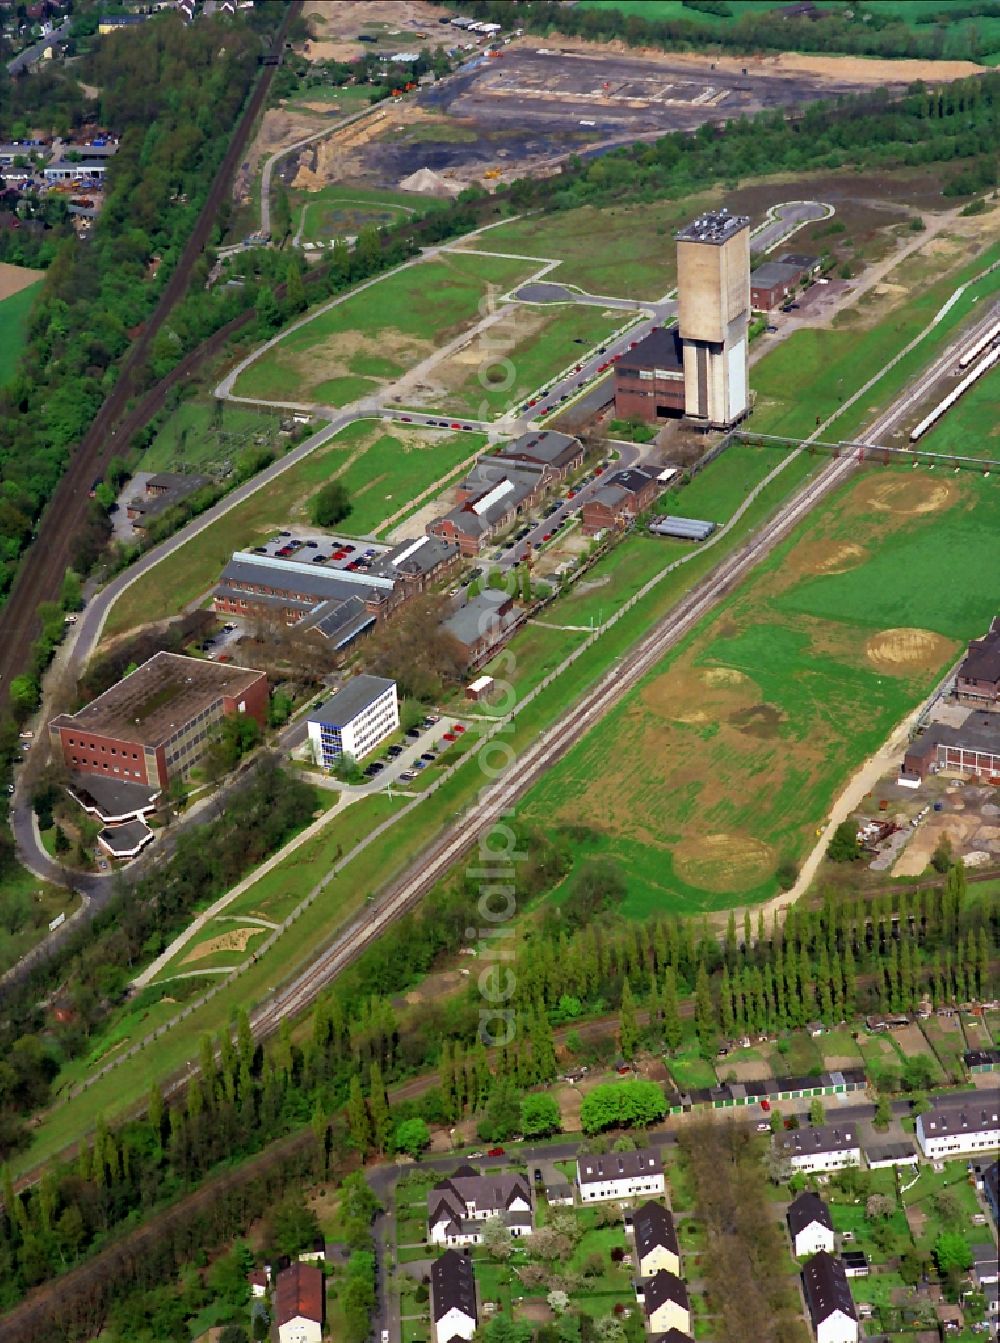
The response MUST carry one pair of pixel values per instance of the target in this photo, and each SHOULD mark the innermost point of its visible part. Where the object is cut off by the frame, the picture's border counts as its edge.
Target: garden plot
(724, 762)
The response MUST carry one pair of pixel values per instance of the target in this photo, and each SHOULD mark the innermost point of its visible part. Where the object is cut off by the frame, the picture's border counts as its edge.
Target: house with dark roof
(656, 1244)
(982, 1060)
(978, 681)
(820, 1148)
(453, 1297)
(459, 1206)
(494, 493)
(619, 1175)
(665, 1303)
(828, 1297)
(991, 1190)
(299, 1304)
(621, 499)
(810, 1225)
(771, 283)
(961, 1124)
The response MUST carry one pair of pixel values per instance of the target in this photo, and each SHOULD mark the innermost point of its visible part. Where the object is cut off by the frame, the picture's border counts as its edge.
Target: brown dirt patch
(331, 357)
(723, 862)
(905, 494)
(336, 24)
(15, 278)
(700, 695)
(825, 557)
(237, 939)
(901, 652)
(760, 720)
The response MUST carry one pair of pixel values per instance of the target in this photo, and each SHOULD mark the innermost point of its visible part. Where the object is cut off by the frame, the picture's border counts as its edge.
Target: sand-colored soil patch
(825, 557)
(723, 862)
(237, 939)
(333, 356)
(700, 694)
(902, 652)
(905, 494)
(15, 278)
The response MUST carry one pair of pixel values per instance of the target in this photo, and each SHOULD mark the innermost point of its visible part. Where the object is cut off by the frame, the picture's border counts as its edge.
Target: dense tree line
(827, 962)
(173, 93)
(91, 972)
(856, 30)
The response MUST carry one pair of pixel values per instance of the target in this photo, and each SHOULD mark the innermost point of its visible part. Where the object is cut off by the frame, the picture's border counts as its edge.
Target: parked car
(414, 734)
(458, 728)
(394, 751)
(763, 1127)
(428, 756)
(406, 777)
(420, 764)
(377, 766)
(450, 736)
(765, 1105)
(496, 1151)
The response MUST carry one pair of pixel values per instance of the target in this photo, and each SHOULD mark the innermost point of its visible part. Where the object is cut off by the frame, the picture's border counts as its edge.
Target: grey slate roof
(805, 1210)
(480, 615)
(826, 1287)
(818, 1139)
(653, 1227)
(663, 1287)
(453, 1286)
(660, 349)
(346, 704)
(774, 272)
(979, 732)
(125, 839)
(618, 1166)
(962, 1112)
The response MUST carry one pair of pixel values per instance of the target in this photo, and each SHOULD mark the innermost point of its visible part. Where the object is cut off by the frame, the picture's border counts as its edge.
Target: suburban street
(31, 55)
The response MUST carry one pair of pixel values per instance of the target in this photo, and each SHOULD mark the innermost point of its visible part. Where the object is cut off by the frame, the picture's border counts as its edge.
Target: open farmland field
(374, 335)
(19, 287)
(206, 434)
(725, 761)
(536, 342)
(382, 471)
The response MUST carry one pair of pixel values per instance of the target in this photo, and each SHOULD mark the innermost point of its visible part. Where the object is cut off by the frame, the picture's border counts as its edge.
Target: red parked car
(450, 736)
(765, 1106)
(458, 728)
(496, 1151)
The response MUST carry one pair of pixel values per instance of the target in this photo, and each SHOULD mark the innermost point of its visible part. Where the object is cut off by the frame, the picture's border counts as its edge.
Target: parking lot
(320, 548)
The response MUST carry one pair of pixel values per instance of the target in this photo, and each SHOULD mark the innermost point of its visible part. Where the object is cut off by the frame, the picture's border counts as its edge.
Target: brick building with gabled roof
(299, 1304)
(978, 679)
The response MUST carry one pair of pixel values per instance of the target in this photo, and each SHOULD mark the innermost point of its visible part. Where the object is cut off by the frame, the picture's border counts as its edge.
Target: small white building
(453, 1297)
(354, 721)
(828, 1296)
(619, 1175)
(962, 1124)
(820, 1148)
(810, 1226)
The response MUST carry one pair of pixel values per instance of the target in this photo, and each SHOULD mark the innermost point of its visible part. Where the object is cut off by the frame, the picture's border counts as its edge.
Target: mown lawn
(403, 317)
(15, 312)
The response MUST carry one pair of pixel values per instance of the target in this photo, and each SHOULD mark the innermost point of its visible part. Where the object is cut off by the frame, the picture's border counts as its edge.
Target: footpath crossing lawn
(374, 335)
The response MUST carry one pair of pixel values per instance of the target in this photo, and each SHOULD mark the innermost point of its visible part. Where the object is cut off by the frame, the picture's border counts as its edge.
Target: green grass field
(723, 763)
(14, 314)
(401, 320)
(834, 363)
(340, 211)
(382, 471)
(535, 342)
(918, 14)
(624, 252)
(205, 434)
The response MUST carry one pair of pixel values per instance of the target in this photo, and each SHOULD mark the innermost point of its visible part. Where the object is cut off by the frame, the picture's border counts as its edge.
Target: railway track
(552, 745)
(44, 563)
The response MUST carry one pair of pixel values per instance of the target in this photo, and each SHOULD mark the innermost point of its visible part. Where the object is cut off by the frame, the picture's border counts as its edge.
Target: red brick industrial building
(649, 379)
(978, 681)
(625, 495)
(155, 723)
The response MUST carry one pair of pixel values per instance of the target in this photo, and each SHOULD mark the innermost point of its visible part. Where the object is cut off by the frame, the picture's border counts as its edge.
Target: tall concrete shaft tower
(713, 280)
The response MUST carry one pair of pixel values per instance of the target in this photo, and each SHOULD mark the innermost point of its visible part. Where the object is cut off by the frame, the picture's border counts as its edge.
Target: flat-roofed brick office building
(154, 724)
